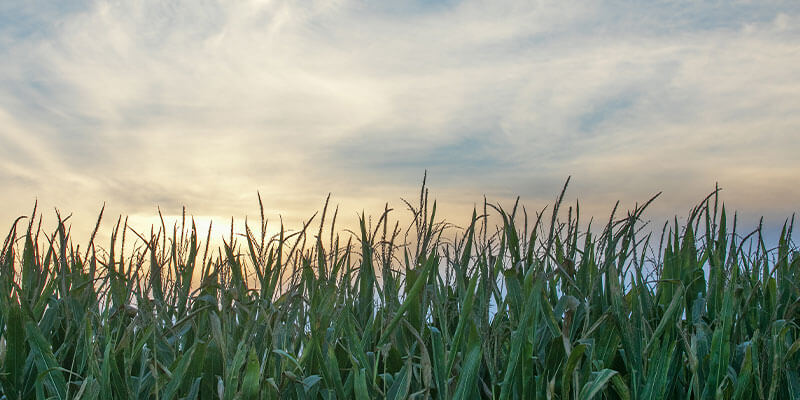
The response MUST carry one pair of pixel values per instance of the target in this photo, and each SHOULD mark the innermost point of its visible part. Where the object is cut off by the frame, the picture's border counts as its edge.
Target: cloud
(205, 102)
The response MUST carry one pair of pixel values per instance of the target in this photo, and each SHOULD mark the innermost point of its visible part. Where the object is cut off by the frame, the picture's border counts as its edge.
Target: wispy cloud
(204, 102)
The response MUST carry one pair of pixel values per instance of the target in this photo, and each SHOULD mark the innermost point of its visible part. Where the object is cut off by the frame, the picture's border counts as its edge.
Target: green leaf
(400, 385)
(48, 369)
(252, 377)
(518, 338)
(439, 374)
(572, 362)
(720, 348)
(178, 374)
(412, 296)
(597, 384)
(620, 387)
(290, 357)
(360, 385)
(469, 373)
(16, 348)
(466, 312)
(668, 319)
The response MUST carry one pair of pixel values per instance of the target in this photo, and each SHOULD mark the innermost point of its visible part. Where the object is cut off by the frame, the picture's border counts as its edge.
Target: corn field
(539, 306)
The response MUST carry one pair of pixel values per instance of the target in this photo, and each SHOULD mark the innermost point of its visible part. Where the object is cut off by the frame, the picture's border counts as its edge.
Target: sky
(161, 104)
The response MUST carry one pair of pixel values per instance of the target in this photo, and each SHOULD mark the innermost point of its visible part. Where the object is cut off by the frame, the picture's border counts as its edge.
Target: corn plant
(540, 306)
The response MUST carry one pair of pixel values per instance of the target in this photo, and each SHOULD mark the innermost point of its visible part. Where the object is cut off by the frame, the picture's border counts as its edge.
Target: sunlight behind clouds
(202, 103)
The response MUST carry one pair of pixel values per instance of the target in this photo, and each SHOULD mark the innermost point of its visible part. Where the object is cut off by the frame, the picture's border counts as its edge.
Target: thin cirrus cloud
(201, 103)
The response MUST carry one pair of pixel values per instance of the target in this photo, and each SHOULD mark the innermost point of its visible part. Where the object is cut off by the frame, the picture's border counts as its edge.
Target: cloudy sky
(204, 103)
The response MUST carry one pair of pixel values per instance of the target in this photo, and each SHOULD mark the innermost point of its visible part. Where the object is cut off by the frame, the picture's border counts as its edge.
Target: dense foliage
(530, 308)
